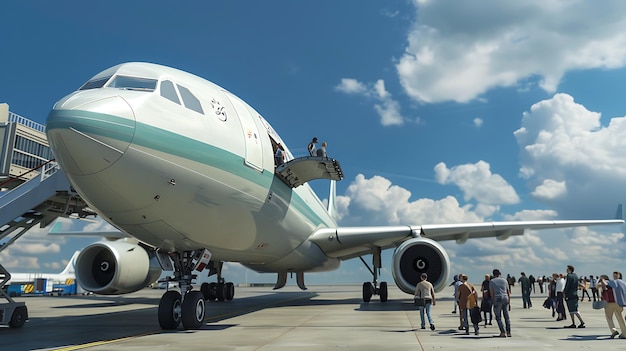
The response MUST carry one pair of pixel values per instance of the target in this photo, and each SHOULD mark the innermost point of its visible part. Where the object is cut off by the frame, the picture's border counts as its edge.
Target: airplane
(186, 170)
(63, 276)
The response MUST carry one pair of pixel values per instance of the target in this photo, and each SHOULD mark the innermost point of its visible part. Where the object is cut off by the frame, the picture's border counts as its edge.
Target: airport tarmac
(322, 318)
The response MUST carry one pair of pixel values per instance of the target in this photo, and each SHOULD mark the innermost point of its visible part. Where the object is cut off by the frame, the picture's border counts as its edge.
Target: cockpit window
(191, 102)
(95, 83)
(169, 92)
(133, 83)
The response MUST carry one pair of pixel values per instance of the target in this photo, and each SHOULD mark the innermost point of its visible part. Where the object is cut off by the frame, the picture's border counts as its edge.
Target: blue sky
(439, 111)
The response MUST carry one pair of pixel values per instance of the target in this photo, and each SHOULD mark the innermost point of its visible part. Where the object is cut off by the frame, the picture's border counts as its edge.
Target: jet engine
(115, 267)
(416, 256)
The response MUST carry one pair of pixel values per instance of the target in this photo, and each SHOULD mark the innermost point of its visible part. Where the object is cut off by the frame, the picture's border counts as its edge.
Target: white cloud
(351, 86)
(477, 182)
(387, 108)
(478, 122)
(574, 163)
(457, 53)
(550, 189)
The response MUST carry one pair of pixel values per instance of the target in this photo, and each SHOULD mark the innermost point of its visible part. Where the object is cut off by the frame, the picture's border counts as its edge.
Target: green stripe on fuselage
(165, 141)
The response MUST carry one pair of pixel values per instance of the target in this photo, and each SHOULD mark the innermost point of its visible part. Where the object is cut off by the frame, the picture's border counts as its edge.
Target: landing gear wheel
(19, 317)
(368, 291)
(170, 310)
(193, 310)
(220, 292)
(230, 291)
(382, 291)
(205, 288)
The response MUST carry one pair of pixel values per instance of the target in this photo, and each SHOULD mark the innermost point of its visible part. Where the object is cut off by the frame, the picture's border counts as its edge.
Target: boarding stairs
(39, 200)
(303, 169)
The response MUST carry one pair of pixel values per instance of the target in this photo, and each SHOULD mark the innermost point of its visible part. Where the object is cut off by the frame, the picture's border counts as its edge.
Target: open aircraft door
(254, 147)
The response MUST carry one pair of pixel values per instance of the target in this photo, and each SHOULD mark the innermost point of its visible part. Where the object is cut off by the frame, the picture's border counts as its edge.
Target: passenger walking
(424, 290)
(468, 299)
(501, 295)
(612, 309)
(486, 303)
(526, 289)
(593, 283)
(571, 297)
(560, 299)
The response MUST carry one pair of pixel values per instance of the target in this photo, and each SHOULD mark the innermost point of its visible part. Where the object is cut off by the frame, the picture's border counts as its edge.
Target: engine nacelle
(115, 267)
(416, 256)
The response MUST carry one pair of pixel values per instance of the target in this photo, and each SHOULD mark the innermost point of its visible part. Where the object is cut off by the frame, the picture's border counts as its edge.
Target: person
(486, 303)
(532, 280)
(570, 291)
(458, 283)
(552, 292)
(560, 301)
(584, 285)
(540, 282)
(501, 295)
(455, 280)
(311, 146)
(424, 289)
(468, 299)
(593, 283)
(612, 309)
(524, 282)
(321, 152)
(279, 156)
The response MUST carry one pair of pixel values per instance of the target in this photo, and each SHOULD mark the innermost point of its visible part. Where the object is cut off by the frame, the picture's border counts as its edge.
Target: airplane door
(254, 148)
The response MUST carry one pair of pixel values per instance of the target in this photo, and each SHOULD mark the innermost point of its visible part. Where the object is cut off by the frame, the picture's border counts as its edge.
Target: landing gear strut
(370, 289)
(187, 306)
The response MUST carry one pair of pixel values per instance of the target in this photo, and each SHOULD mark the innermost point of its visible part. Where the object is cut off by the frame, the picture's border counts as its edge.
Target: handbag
(598, 305)
(419, 301)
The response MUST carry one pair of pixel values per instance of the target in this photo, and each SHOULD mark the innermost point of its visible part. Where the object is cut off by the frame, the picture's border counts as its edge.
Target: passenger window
(169, 92)
(191, 102)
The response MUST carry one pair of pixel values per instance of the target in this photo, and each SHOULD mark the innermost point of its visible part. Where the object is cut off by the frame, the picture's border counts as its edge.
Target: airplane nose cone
(89, 136)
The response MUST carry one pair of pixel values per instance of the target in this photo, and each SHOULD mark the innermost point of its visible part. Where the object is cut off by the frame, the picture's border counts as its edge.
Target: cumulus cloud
(376, 201)
(550, 189)
(478, 183)
(457, 53)
(563, 146)
(387, 108)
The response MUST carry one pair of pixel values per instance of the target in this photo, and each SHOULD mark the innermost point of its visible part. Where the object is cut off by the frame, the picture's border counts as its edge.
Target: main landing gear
(188, 306)
(370, 289)
(220, 291)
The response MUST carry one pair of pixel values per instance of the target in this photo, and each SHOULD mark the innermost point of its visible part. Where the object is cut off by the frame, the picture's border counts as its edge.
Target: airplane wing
(349, 242)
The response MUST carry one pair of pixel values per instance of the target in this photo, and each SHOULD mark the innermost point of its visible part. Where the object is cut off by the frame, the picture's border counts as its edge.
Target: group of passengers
(495, 291)
(279, 151)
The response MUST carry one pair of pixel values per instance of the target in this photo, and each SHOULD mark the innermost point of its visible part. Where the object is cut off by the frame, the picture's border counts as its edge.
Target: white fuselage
(179, 177)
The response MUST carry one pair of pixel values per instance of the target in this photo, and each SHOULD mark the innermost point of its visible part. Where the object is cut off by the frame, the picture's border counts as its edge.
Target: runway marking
(414, 327)
(215, 317)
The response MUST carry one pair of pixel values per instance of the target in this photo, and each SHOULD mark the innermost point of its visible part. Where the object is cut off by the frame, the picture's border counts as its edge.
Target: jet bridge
(303, 169)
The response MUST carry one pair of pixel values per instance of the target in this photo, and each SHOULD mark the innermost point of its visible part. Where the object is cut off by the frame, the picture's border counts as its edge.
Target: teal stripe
(165, 141)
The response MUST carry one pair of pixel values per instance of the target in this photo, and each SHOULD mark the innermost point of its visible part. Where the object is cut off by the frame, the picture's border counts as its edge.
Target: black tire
(19, 317)
(230, 291)
(220, 292)
(206, 290)
(194, 309)
(170, 310)
(368, 291)
(212, 291)
(383, 292)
